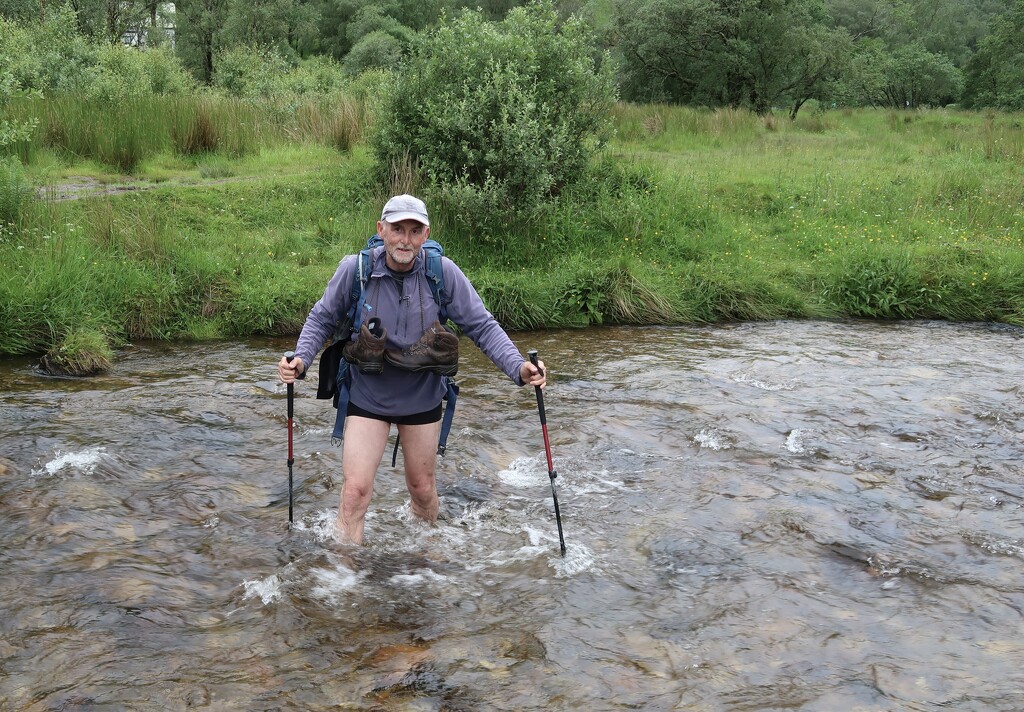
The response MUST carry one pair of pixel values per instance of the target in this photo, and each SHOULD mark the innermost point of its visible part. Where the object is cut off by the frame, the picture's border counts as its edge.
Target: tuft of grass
(15, 193)
(81, 352)
(193, 128)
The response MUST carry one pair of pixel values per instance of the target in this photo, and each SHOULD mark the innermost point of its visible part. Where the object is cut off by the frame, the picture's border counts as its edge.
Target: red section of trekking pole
(547, 451)
(291, 460)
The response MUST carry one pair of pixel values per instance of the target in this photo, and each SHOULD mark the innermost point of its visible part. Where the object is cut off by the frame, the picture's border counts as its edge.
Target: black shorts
(431, 416)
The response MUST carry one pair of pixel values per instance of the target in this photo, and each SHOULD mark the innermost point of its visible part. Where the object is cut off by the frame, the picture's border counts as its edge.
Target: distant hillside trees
(766, 55)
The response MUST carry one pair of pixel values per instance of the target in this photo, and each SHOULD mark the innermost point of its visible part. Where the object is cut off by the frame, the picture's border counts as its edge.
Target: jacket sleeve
(468, 311)
(327, 312)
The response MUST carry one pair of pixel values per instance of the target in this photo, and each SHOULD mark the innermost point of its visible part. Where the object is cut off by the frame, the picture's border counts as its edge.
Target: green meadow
(225, 219)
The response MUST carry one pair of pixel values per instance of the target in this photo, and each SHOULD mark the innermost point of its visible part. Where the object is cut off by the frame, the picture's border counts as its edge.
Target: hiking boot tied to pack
(367, 351)
(437, 351)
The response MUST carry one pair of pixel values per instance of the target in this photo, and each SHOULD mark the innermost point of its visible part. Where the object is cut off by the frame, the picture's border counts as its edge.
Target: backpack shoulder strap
(435, 277)
(364, 265)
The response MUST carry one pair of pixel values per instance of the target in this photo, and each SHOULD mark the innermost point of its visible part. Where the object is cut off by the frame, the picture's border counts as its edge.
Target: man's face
(402, 242)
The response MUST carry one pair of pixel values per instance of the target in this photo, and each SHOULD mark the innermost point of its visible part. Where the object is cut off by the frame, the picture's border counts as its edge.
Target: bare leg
(419, 449)
(365, 440)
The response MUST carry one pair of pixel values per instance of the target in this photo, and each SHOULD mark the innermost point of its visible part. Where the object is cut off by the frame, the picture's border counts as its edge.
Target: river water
(787, 515)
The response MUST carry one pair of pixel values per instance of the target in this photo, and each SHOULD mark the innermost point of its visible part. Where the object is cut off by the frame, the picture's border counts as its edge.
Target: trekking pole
(289, 355)
(547, 451)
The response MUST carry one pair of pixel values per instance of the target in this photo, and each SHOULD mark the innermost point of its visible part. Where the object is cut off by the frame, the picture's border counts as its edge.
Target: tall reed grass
(123, 134)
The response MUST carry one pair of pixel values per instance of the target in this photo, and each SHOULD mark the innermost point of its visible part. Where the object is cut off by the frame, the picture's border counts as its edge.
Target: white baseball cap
(405, 207)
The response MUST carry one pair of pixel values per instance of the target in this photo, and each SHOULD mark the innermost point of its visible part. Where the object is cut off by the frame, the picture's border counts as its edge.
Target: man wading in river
(399, 358)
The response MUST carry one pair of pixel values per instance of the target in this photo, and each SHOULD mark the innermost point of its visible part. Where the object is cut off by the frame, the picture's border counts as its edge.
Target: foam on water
(320, 525)
(711, 439)
(525, 472)
(84, 461)
(268, 589)
(332, 584)
(577, 559)
(420, 577)
(600, 485)
(794, 441)
(488, 535)
(757, 383)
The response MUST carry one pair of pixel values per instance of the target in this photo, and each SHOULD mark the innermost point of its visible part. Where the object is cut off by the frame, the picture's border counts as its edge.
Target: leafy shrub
(371, 18)
(164, 72)
(499, 117)
(317, 75)
(14, 132)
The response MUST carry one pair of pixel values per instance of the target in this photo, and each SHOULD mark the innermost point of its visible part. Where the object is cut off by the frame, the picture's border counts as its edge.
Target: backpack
(334, 373)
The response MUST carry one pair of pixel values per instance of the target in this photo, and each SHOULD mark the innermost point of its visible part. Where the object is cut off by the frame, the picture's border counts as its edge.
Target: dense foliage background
(756, 54)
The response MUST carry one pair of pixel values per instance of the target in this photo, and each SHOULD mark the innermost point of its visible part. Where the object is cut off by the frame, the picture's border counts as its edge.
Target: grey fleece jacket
(405, 311)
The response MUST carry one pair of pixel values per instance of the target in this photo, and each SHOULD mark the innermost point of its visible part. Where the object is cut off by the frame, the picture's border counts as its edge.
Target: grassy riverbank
(701, 217)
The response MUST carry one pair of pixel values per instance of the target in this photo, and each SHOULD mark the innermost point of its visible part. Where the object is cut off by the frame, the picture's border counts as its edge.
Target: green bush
(500, 117)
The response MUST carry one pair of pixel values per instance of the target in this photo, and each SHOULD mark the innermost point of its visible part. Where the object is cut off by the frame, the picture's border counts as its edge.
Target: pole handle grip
(288, 356)
(532, 353)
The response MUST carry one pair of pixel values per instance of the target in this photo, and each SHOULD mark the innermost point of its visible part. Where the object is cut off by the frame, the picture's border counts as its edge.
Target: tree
(198, 34)
(109, 20)
(907, 77)
(336, 15)
(281, 24)
(819, 62)
(756, 53)
(953, 28)
(21, 10)
(375, 50)
(372, 18)
(670, 49)
(783, 51)
(491, 9)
